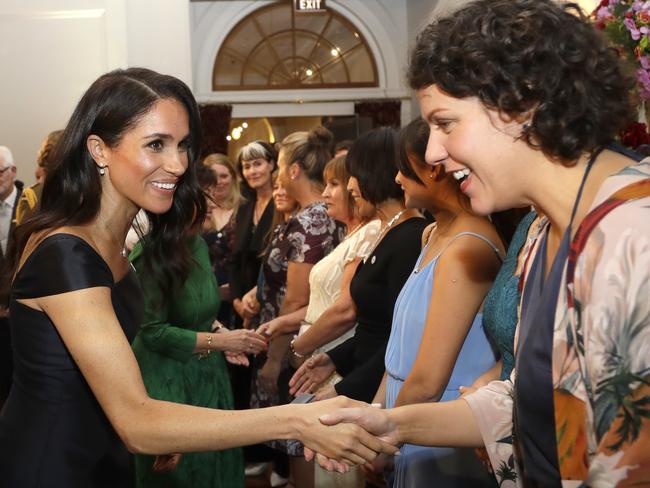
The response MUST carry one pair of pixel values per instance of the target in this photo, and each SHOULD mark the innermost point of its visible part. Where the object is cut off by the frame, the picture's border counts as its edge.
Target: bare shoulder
(426, 235)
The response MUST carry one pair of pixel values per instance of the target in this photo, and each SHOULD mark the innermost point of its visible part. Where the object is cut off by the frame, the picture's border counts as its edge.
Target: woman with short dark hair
(524, 99)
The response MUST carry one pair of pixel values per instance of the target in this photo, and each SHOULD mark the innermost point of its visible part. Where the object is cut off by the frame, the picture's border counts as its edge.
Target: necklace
(381, 234)
(356, 228)
(258, 210)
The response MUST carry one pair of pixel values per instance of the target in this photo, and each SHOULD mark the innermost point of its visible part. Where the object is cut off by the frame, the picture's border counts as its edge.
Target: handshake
(341, 432)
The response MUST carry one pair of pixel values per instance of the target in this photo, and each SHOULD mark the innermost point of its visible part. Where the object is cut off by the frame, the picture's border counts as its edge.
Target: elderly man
(10, 191)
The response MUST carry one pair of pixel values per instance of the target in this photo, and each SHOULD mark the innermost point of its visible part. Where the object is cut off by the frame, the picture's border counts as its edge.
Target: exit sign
(309, 5)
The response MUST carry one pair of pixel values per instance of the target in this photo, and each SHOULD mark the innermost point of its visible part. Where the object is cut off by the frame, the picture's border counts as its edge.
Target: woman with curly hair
(524, 99)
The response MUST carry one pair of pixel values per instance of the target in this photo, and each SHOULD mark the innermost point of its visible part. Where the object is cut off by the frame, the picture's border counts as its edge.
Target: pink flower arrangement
(627, 24)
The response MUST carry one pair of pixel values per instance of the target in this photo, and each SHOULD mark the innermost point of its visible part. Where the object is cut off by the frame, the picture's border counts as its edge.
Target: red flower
(635, 135)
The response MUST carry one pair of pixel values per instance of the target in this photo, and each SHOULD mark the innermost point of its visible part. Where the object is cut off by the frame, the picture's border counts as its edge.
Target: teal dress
(171, 371)
(500, 307)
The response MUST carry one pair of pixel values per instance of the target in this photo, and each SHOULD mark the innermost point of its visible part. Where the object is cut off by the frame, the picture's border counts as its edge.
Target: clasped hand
(357, 433)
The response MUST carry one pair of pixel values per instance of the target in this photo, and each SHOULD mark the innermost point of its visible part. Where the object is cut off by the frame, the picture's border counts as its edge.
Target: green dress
(172, 372)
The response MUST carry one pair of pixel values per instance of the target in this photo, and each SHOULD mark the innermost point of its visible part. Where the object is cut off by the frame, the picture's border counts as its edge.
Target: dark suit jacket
(3, 271)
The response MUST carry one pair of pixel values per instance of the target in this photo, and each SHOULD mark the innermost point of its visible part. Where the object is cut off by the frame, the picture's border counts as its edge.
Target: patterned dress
(307, 237)
(601, 339)
(221, 243)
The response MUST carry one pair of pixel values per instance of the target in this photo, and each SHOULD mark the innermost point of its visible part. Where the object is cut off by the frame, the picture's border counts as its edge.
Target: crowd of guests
(478, 275)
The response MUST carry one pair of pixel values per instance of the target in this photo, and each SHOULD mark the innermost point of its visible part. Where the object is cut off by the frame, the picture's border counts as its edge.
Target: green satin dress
(172, 372)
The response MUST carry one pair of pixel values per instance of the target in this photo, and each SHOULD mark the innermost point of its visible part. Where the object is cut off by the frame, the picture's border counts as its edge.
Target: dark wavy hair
(534, 57)
(371, 160)
(112, 106)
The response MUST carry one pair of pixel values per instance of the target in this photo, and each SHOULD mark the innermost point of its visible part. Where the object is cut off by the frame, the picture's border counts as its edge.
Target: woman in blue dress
(437, 341)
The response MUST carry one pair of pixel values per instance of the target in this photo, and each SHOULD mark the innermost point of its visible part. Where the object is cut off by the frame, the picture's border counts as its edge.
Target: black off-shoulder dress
(53, 433)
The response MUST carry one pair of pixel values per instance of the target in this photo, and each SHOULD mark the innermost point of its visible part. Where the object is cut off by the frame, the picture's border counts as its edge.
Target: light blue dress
(419, 466)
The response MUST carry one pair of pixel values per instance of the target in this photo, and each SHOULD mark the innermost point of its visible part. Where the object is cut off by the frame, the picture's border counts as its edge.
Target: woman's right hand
(242, 341)
(311, 374)
(345, 442)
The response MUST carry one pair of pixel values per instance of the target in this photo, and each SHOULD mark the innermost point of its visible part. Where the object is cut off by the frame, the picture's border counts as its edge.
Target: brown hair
(234, 198)
(335, 170)
(310, 150)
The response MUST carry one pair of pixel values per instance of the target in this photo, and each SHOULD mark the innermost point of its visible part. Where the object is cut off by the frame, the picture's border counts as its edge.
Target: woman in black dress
(256, 162)
(377, 281)
(78, 396)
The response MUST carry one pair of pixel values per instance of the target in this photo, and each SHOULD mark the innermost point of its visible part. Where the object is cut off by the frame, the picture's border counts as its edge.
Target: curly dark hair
(534, 57)
(72, 191)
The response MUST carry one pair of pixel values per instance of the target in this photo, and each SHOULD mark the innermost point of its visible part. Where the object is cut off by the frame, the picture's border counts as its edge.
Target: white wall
(51, 50)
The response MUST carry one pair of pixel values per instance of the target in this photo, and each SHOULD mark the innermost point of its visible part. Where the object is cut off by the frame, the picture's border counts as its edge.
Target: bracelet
(293, 351)
(207, 351)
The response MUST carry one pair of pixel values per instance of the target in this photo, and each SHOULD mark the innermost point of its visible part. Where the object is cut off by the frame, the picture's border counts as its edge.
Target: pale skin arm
(443, 424)
(284, 324)
(235, 341)
(463, 276)
(104, 356)
(333, 322)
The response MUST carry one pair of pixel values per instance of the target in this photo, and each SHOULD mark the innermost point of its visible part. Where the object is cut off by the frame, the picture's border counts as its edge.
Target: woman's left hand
(268, 376)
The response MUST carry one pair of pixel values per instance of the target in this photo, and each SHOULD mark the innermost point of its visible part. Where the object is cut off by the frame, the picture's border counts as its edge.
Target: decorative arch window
(277, 48)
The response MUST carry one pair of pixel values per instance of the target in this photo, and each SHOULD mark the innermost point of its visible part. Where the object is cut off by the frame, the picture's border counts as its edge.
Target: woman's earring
(102, 170)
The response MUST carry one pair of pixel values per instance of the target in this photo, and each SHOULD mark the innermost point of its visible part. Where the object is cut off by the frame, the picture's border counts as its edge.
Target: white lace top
(326, 276)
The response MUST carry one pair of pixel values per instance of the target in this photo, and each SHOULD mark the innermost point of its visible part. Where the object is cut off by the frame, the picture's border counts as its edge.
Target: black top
(250, 242)
(53, 433)
(374, 289)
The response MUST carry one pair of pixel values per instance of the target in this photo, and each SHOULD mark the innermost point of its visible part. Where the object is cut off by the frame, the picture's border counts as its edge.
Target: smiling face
(221, 190)
(257, 172)
(481, 150)
(281, 199)
(149, 160)
(365, 209)
(335, 196)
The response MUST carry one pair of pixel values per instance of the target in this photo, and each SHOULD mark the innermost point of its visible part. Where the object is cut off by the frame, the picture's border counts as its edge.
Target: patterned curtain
(215, 125)
(383, 113)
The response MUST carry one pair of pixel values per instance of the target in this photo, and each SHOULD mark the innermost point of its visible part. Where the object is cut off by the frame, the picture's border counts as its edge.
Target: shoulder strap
(467, 233)
(633, 191)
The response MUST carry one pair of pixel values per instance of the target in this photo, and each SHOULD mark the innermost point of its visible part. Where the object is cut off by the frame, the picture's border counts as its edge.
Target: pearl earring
(102, 170)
